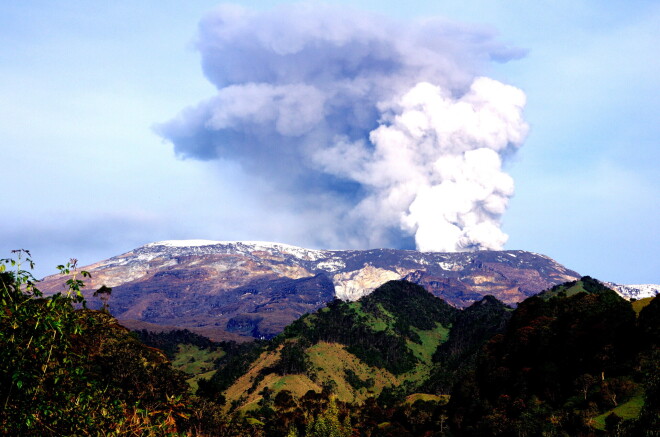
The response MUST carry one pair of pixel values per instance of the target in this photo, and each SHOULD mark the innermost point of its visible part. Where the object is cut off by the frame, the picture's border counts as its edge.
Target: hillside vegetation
(355, 350)
(69, 371)
(569, 360)
(575, 360)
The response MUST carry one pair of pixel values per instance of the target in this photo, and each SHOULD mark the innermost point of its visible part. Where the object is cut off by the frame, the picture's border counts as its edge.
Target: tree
(68, 370)
(584, 382)
(104, 293)
(613, 424)
(327, 424)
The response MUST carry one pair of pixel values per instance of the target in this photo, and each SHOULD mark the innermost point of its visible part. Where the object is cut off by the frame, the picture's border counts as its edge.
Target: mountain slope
(638, 291)
(245, 290)
(573, 360)
(356, 349)
(567, 356)
(473, 327)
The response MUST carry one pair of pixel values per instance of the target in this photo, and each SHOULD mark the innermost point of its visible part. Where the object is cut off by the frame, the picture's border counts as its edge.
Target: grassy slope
(440, 399)
(242, 385)
(570, 289)
(377, 324)
(195, 361)
(330, 361)
(627, 410)
(430, 340)
(640, 304)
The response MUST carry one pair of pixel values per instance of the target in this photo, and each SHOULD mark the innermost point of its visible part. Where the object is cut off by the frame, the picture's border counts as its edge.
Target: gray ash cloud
(384, 128)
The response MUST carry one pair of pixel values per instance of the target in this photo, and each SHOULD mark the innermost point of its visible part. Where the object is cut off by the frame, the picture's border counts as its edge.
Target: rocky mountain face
(241, 290)
(638, 291)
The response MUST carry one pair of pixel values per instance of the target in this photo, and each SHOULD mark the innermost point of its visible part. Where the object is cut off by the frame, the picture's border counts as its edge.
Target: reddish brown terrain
(243, 290)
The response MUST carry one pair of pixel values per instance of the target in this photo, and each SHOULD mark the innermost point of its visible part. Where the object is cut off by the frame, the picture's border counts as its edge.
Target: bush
(67, 370)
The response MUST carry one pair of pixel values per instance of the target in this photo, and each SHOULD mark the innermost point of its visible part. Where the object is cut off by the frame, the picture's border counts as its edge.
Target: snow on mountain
(637, 291)
(243, 247)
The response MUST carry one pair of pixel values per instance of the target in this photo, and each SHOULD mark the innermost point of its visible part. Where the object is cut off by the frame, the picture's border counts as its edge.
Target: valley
(286, 355)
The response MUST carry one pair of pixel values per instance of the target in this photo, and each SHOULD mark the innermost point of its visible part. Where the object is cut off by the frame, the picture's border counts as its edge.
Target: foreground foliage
(67, 370)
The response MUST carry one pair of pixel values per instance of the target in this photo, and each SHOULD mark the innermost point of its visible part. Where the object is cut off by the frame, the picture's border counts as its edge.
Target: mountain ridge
(241, 289)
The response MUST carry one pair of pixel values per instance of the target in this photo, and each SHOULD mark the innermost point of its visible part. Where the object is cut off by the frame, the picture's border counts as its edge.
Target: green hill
(568, 358)
(472, 328)
(586, 285)
(639, 305)
(354, 349)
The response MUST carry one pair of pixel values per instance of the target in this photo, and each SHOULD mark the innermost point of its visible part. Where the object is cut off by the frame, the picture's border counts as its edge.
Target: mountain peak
(234, 289)
(183, 243)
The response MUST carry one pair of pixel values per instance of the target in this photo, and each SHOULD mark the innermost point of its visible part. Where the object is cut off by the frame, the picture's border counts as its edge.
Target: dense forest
(575, 360)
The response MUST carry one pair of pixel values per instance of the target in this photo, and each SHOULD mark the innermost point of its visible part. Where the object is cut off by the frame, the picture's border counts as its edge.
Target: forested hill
(576, 360)
(355, 349)
(380, 328)
(396, 342)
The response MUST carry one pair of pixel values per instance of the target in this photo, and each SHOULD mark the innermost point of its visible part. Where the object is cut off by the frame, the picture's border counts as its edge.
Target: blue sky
(84, 175)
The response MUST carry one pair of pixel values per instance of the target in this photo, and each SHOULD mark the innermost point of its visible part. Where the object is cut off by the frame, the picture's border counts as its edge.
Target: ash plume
(384, 128)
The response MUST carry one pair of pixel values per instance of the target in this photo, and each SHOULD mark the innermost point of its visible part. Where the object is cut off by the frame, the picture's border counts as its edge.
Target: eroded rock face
(234, 290)
(353, 285)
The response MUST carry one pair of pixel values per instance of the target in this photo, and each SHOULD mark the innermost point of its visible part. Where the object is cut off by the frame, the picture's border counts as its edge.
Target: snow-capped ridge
(635, 291)
(338, 262)
(183, 243)
(243, 247)
(198, 243)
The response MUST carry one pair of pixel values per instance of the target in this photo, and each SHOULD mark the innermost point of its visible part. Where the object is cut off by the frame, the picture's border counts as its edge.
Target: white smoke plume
(385, 125)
